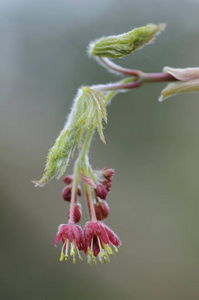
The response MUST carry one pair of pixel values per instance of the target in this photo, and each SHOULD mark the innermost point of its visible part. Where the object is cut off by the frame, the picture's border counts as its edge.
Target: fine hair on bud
(117, 46)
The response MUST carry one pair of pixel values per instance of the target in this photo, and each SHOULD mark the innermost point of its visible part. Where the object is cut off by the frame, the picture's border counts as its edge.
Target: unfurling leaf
(182, 74)
(173, 89)
(87, 112)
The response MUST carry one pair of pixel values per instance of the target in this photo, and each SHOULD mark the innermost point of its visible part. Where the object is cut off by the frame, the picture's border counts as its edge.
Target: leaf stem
(118, 69)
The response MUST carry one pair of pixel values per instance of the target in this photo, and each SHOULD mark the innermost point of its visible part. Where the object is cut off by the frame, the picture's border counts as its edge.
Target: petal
(183, 74)
(79, 238)
(69, 232)
(179, 88)
(88, 233)
(100, 230)
(113, 237)
(96, 248)
(61, 229)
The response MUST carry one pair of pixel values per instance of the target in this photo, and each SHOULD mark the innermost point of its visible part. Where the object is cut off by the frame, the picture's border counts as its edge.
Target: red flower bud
(106, 172)
(101, 210)
(77, 213)
(66, 193)
(101, 191)
(107, 184)
(68, 179)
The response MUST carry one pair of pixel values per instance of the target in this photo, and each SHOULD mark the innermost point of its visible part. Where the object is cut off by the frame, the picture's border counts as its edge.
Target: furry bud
(101, 191)
(68, 179)
(101, 210)
(77, 213)
(120, 45)
(66, 193)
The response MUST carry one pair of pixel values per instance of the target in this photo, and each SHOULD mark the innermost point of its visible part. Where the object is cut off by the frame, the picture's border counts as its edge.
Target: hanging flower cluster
(97, 239)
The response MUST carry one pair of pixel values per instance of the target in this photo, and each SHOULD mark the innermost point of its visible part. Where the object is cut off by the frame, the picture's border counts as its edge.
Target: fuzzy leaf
(88, 111)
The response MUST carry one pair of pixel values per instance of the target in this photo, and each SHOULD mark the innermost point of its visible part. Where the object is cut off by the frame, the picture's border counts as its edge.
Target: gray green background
(154, 148)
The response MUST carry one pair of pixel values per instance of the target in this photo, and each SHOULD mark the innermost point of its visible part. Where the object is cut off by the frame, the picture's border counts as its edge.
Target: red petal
(100, 230)
(60, 231)
(96, 248)
(88, 233)
(113, 237)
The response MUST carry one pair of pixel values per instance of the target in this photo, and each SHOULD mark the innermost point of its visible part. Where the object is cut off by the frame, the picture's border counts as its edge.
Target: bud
(66, 193)
(101, 191)
(106, 172)
(101, 210)
(88, 111)
(120, 45)
(68, 179)
(107, 184)
(77, 213)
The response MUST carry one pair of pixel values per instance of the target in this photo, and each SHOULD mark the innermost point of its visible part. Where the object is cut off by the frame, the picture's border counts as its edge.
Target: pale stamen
(66, 251)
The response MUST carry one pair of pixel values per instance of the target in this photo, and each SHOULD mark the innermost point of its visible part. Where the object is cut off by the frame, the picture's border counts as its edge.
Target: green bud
(87, 112)
(117, 46)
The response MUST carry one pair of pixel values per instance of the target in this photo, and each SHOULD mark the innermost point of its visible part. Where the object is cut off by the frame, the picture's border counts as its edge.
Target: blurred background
(154, 203)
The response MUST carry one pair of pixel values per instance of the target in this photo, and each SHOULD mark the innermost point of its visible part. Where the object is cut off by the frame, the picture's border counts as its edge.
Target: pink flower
(71, 235)
(98, 239)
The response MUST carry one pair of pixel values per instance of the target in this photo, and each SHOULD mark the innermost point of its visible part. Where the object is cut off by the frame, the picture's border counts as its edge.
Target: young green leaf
(87, 112)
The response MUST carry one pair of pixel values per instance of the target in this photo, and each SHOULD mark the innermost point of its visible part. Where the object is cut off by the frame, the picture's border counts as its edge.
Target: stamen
(92, 245)
(100, 259)
(66, 251)
(62, 252)
(103, 252)
(90, 256)
(89, 261)
(79, 254)
(107, 248)
(99, 243)
(62, 256)
(115, 248)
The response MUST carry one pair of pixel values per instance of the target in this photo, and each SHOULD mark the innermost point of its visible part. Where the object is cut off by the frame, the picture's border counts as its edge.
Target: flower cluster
(96, 239)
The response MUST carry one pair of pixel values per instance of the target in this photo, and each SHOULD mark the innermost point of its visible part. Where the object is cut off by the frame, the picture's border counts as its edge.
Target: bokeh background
(154, 203)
